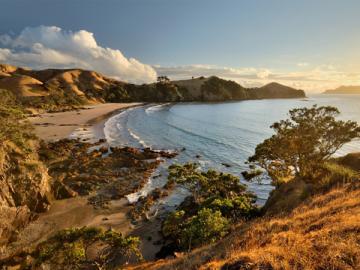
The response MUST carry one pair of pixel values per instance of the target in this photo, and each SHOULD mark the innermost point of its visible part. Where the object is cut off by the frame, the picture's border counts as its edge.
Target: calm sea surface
(214, 134)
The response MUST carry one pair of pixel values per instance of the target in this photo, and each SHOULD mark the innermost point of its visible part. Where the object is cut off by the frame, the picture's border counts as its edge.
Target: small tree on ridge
(301, 143)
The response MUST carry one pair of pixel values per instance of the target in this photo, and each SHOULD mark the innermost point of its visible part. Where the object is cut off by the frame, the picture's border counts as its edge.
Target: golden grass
(321, 233)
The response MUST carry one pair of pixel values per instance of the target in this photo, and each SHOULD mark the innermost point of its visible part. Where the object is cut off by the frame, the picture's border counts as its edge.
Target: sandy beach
(56, 126)
(77, 212)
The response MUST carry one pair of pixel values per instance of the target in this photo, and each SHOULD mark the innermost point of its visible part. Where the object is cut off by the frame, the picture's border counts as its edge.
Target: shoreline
(76, 211)
(90, 120)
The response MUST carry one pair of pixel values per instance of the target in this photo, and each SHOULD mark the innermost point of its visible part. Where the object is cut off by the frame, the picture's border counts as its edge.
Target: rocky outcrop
(24, 188)
(79, 168)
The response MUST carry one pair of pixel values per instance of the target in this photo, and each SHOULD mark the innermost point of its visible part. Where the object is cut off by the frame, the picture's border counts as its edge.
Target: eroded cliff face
(24, 188)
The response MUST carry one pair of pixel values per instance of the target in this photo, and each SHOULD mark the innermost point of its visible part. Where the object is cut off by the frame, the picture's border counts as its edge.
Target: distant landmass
(63, 87)
(350, 89)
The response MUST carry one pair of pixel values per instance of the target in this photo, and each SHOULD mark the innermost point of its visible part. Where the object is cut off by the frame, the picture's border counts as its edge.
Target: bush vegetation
(217, 200)
(331, 173)
(56, 100)
(223, 89)
(69, 249)
(14, 127)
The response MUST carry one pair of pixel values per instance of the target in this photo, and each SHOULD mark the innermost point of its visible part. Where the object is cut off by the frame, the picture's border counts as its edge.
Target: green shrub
(68, 248)
(171, 225)
(238, 207)
(14, 127)
(333, 173)
(216, 201)
(206, 227)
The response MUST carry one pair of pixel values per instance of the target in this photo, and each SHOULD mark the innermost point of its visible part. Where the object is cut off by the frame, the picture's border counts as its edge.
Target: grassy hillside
(57, 89)
(321, 232)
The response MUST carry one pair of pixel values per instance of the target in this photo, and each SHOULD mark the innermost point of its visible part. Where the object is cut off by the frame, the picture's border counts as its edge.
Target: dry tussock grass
(322, 233)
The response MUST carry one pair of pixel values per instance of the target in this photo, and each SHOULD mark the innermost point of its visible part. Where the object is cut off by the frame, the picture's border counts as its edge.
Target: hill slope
(321, 233)
(216, 89)
(276, 90)
(52, 89)
(344, 90)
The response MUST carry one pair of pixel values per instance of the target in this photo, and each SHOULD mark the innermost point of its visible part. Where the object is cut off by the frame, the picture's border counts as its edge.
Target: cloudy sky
(307, 44)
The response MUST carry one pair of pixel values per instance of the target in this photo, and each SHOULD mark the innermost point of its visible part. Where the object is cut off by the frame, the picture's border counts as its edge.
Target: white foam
(112, 129)
(137, 138)
(134, 197)
(83, 133)
(156, 108)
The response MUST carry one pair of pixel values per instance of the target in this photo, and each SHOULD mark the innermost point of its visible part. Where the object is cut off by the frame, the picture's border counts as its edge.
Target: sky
(312, 45)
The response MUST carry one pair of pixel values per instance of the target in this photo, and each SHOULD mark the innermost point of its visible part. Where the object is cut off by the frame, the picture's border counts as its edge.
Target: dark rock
(62, 191)
(248, 175)
(104, 150)
(167, 251)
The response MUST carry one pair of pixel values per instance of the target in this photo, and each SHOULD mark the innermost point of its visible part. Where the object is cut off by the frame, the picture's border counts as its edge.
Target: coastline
(87, 125)
(89, 121)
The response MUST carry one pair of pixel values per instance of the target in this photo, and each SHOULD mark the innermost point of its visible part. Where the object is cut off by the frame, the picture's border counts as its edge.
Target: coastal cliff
(24, 189)
(24, 180)
(52, 89)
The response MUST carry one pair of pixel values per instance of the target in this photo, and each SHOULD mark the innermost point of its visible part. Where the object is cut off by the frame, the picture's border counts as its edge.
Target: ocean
(215, 135)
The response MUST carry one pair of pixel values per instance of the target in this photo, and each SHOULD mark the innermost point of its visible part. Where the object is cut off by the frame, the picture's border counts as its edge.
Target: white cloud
(52, 47)
(264, 74)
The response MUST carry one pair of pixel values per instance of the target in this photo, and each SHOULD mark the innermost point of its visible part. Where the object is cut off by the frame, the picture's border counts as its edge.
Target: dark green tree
(217, 200)
(304, 141)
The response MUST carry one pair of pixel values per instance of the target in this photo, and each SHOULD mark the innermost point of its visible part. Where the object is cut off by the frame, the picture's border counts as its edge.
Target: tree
(309, 138)
(207, 226)
(163, 79)
(207, 184)
(217, 200)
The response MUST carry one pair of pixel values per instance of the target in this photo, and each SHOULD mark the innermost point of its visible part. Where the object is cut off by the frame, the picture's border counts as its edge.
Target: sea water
(215, 135)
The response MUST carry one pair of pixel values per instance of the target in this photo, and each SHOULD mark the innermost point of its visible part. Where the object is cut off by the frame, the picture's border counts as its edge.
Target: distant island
(350, 89)
(54, 89)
